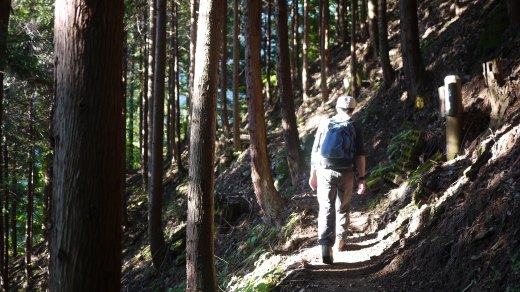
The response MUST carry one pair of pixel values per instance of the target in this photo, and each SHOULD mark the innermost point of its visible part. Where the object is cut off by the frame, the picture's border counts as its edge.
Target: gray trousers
(334, 195)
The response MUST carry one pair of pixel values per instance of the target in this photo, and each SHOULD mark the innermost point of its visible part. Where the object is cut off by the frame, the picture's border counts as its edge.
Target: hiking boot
(342, 245)
(326, 254)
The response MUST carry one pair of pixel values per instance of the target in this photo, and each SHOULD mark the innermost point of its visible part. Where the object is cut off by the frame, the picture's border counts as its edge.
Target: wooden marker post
(454, 110)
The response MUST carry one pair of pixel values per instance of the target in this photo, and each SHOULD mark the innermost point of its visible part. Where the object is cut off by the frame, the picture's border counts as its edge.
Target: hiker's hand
(313, 181)
(362, 187)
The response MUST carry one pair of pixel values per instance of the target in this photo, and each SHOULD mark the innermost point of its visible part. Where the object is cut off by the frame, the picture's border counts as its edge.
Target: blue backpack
(338, 141)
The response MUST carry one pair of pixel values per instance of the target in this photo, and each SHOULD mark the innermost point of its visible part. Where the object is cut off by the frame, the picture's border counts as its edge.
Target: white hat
(345, 102)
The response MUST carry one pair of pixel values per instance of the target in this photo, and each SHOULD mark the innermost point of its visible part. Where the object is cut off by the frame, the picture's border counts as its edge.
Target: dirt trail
(369, 250)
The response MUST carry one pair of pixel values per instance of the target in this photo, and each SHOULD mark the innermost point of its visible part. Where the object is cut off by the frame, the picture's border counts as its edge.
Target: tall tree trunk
(5, 233)
(143, 114)
(124, 83)
(270, 97)
(194, 12)
(200, 249)
(177, 88)
(14, 208)
(342, 19)
(354, 86)
(295, 40)
(155, 230)
(305, 51)
(223, 75)
(87, 194)
(372, 27)
(131, 110)
(267, 196)
(324, 48)
(412, 60)
(236, 61)
(151, 75)
(5, 10)
(170, 113)
(3, 201)
(30, 198)
(363, 18)
(290, 129)
(388, 71)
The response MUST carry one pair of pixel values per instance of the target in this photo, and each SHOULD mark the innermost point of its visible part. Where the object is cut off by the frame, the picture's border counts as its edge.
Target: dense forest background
(164, 145)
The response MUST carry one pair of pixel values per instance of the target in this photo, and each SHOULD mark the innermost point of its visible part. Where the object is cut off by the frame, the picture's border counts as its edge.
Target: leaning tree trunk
(324, 48)
(410, 48)
(200, 249)
(155, 230)
(290, 129)
(354, 86)
(267, 196)
(87, 194)
(388, 71)
(305, 50)
(236, 60)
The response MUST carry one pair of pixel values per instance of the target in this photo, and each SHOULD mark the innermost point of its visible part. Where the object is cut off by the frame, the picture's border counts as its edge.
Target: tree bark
(143, 114)
(151, 90)
(295, 50)
(324, 48)
(290, 128)
(305, 50)
(388, 71)
(194, 10)
(267, 196)
(412, 60)
(372, 27)
(223, 76)
(5, 10)
(155, 230)
(30, 198)
(5, 224)
(236, 60)
(513, 9)
(200, 249)
(177, 88)
(86, 235)
(354, 86)
(270, 98)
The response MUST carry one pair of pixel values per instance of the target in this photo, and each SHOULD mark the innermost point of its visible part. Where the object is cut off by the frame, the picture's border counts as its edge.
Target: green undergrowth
(253, 266)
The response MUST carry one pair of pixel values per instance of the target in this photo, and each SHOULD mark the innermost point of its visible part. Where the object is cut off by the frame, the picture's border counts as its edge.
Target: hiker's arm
(315, 156)
(361, 172)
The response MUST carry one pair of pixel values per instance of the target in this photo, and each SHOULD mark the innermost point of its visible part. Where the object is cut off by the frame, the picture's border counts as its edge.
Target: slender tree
(410, 48)
(201, 275)
(194, 10)
(324, 48)
(5, 10)
(388, 71)
(236, 59)
(354, 86)
(86, 236)
(267, 196)
(290, 129)
(223, 76)
(156, 190)
(177, 87)
(295, 48)
(5, 233)
(305, 50)
(270, 97)
(372, 27)
(144, 104)
(152, 41)
(15, 198)
(30, 197)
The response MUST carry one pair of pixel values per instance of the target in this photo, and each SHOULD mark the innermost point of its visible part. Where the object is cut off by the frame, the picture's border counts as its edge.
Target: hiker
(332, 174)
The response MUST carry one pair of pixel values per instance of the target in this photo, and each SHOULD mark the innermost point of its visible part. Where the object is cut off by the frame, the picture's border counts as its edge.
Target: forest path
(353, 270)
